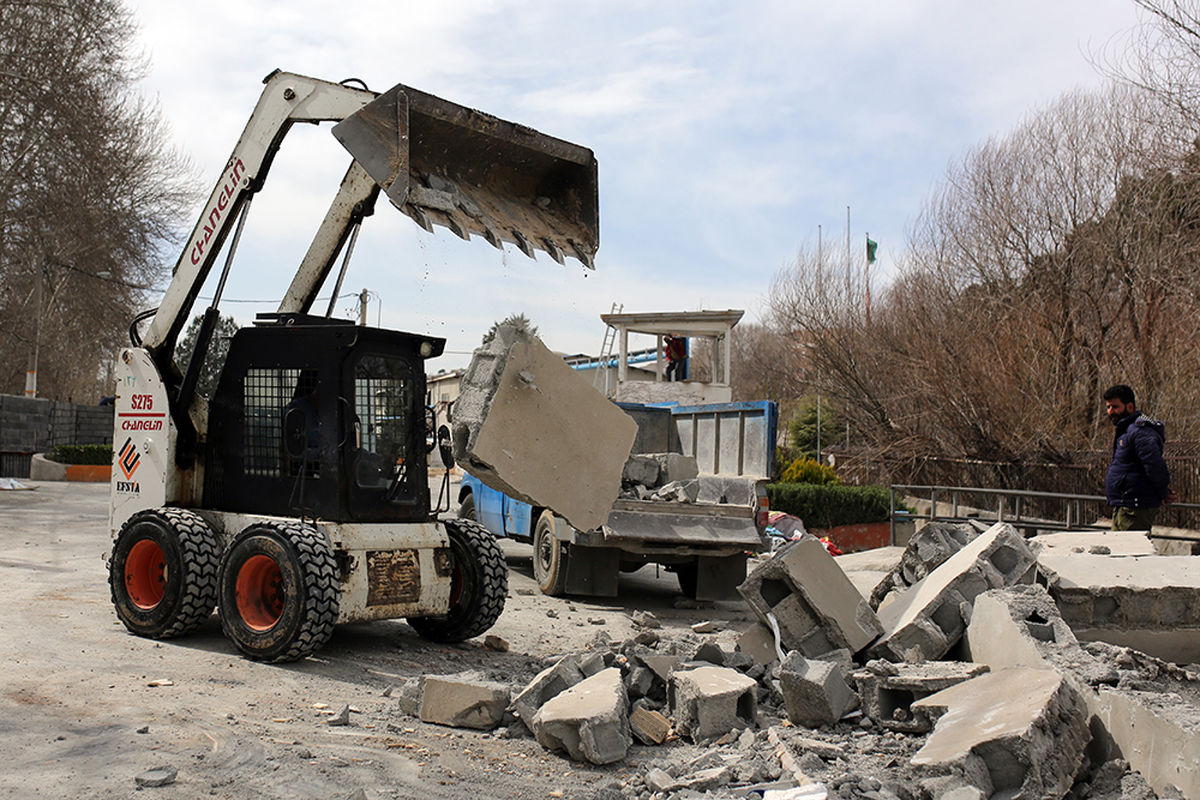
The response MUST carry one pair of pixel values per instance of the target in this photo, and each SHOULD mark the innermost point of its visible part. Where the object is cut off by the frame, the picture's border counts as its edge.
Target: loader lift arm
(438, 162)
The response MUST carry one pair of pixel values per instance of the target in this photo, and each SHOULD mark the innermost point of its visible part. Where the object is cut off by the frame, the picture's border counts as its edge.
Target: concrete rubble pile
(968, 684)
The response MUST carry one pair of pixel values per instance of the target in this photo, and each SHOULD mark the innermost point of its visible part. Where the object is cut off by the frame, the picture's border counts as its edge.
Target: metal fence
(1038, 483)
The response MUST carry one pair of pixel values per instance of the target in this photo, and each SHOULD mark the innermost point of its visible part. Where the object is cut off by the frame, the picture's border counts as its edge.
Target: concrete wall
(34, 425)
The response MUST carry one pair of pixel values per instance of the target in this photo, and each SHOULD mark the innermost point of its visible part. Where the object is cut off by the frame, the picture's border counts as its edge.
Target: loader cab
(323, 419)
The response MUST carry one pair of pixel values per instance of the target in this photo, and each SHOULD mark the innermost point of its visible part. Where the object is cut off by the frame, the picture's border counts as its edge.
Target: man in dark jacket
(1137, 483)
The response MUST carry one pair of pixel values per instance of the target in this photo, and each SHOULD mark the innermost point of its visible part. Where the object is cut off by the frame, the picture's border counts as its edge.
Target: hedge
(82, 454)
(827, 506)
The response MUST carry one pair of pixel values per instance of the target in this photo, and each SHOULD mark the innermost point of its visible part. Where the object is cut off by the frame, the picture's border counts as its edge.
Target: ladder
(606, 348)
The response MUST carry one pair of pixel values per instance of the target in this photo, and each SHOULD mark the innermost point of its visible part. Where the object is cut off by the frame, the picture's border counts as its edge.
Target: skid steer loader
(296, 497)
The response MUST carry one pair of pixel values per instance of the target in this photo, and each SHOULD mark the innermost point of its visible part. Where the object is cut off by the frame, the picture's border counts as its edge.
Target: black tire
(688, 575)
(549, 556)
(479, 585)
(163, 572)
(466, 509)
(279, 591)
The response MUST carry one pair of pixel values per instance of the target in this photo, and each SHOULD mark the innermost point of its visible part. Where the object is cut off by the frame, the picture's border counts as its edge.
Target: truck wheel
(688, 575)
(478, 585)
(466, 509)
(163, 572)
(279, 591)
(549, 556)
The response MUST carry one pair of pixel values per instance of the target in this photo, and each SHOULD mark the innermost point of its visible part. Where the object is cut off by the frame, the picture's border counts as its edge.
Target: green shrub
(809, 470)
(82, 454)
(828, 506)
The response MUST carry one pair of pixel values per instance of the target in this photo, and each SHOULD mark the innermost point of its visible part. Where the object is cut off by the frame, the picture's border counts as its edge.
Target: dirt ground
(87, 707)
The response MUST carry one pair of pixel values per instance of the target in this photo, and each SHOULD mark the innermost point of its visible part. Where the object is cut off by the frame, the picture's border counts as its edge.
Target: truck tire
(279, 591)
(549, 556)
(163, 572)
(466, 509)
(478, 587)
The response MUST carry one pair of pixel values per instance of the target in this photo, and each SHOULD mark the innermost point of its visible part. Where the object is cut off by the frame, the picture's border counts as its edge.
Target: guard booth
(709, 336)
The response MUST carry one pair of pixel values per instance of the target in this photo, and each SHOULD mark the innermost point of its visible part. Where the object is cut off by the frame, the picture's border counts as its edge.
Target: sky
(726, 134)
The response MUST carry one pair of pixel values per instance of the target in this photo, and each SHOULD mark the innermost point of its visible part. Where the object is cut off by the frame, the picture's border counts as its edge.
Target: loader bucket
(445, 164)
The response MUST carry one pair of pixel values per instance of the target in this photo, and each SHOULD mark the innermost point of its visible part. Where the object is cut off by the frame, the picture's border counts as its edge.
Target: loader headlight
(426, 349)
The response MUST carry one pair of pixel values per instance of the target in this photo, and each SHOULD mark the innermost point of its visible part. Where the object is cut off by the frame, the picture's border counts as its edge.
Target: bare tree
(90, 191)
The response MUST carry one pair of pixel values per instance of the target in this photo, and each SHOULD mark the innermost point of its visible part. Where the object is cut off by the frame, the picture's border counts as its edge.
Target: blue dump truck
(704, 542)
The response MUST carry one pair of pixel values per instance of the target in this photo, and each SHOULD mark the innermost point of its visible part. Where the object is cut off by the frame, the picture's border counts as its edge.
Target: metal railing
(1021, 508)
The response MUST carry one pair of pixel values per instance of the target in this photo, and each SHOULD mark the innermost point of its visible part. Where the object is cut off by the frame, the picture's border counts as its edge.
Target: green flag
(872, 246)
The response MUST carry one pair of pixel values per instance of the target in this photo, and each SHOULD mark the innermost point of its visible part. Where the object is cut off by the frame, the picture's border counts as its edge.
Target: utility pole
(31, 373)
(362, 308)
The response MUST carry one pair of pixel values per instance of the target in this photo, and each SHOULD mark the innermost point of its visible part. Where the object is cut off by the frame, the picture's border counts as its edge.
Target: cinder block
(1141, 707)
(888, 690)
(1015, 732)
(449, 700)
(815, 693)
(590, 720)
(926, 550)
(815, 604)
(710, 701)
(532, 427)
(931, 615)
(547, 684)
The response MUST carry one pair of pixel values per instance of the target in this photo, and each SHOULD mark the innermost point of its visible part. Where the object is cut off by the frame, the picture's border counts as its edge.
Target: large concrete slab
(1117, 543)
(815, 605)
(1141, 709)
(532, 427)
(1016, 732)
(867, 568)
(1150, 603)
(889, 690)
(930, 616)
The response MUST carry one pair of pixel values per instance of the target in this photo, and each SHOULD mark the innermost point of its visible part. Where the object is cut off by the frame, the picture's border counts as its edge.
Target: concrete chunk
(710, 701)
(1142, 709)
(642, 470)
(547, 684)
(888, 690)
(815, 604)
(815, 693)
(1018, 732)
(590, 720)
(528, 425)
(449, 700)
(758, 642)
(931, 615)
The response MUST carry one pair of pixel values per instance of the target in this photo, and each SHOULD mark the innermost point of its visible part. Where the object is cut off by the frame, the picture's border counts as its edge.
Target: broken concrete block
(677, 492)
(710, 652)
(710, 701)
(649, 726)
(1018, 732)
(675, 467)
(815, 693)
(591, 664)
(409, 698)
(1142, 708)
(528, 425)
(814, 603)
(932, 614)
(888, 690)
(546, 684)
(644, 619)
(590, 720)
(450, 700)
(641, 470)
(926, 551)
(1150, 603)
(867, 569)
(659, 780)
(663, 666)
(640, 681)
(758, 642)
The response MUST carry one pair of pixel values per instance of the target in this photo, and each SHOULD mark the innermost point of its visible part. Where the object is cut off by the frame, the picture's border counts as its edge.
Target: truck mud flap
(592, 570)
(445, 164)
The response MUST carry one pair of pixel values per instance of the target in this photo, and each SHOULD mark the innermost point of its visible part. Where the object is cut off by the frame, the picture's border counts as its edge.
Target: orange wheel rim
(259, 592)
(146, 574)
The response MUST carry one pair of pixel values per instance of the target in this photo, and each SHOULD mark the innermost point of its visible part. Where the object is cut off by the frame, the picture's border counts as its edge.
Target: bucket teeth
(524, 244)
(583, 255)
(419, 216)
(554, 250)
(493, 239)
